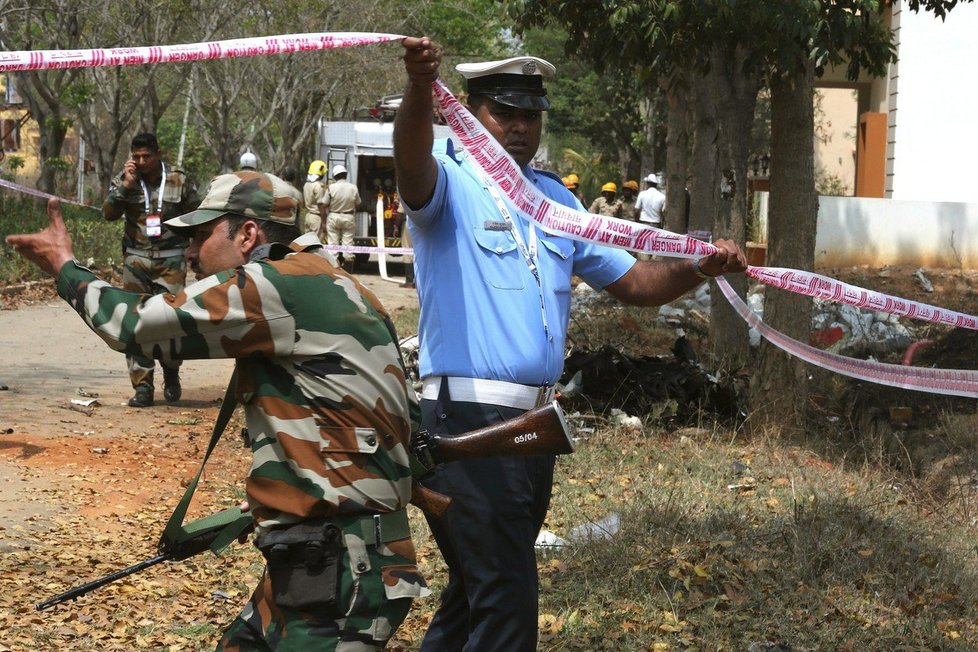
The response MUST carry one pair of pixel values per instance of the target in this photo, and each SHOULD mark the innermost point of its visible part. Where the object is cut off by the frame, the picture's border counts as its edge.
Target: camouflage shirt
(179, 197)
(318, 373)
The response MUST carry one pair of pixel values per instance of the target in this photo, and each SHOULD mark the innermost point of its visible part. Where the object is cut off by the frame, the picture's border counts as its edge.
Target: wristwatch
(699, 271)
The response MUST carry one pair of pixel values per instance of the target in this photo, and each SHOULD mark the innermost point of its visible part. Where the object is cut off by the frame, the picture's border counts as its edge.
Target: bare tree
(41, 25)
(272, 105)
(125, 100)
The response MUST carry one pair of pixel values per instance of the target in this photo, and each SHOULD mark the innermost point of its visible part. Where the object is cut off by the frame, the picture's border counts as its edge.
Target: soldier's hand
(130, 175)
(51, 248)
(245, 508)
(728, 259)
(421, 59)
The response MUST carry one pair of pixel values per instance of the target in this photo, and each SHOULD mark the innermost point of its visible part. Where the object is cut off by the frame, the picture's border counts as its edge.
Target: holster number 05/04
(303, 564)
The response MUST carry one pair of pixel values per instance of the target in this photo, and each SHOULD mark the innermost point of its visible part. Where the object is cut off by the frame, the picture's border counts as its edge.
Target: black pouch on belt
(303, 564)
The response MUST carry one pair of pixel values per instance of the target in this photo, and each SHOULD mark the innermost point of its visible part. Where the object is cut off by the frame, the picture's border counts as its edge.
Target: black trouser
(487, 538)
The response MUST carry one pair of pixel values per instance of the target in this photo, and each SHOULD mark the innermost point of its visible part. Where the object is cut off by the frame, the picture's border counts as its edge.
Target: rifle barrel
(102, 581)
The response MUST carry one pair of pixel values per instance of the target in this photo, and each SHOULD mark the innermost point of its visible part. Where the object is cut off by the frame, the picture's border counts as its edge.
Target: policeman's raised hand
(421, 59)
(51, 248)
(729, 258)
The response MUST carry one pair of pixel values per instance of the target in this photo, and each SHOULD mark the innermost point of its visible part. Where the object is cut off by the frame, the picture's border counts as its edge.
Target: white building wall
(862, 231)
(933, 130)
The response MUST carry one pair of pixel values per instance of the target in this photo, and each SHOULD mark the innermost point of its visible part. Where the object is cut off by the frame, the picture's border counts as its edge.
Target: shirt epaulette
(548, 173)
(270, 251)
(446, 146)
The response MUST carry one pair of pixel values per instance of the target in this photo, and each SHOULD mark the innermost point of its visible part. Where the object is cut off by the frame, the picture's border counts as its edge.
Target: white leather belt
(494, 392)
(153, 253)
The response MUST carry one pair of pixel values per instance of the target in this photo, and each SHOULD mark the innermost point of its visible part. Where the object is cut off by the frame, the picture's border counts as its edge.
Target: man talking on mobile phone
(147, 193)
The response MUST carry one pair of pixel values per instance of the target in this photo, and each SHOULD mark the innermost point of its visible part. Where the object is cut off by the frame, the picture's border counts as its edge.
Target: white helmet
(248, 160)
(337, 170)
(652, 179)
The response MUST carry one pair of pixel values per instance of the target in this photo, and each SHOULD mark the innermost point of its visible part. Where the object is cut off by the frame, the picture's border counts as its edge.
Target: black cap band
(520, 91)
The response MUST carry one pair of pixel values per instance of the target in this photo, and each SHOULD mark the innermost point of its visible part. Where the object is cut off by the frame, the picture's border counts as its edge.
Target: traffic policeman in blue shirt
(495, 303)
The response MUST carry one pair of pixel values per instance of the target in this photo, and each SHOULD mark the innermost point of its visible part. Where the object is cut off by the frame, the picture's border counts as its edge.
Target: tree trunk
(677, 155)
(52, 125)
(779, 387)
(647, 110)
(704, 185)
(736, 97)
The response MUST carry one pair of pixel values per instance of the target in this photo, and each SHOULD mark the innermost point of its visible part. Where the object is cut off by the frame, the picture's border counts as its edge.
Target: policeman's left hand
(51, 248)
(729, 258)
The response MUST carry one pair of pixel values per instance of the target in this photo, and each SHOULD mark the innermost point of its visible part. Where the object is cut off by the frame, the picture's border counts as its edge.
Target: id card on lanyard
(154, 221)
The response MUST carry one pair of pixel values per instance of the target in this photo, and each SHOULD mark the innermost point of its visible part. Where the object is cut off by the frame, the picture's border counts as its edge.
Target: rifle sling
(175, 532)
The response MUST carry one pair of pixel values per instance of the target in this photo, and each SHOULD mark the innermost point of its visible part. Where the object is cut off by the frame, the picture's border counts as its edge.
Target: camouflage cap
(249, 194)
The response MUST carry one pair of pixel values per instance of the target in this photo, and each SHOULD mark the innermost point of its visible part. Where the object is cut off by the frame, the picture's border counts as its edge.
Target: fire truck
(365, 147)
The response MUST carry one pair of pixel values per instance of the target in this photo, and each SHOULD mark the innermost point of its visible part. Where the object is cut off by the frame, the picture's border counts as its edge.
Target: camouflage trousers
(151, 276)
(375, 589)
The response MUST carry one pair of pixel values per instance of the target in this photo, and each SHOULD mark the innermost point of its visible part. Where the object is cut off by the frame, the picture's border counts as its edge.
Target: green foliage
(15, 163)
(58, 163)
(667, 36)
(592, 113)
(467, 29)
(78, 95)
(830, 184)
(198, 160)
(593, 170)
(96, 242)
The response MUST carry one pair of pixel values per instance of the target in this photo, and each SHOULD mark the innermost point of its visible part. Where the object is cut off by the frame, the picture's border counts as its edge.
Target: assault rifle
(203, 533)
(540, 431)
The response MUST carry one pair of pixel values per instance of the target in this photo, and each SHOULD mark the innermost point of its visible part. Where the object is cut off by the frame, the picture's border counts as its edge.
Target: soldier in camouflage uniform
(324, 394)
(147, 194)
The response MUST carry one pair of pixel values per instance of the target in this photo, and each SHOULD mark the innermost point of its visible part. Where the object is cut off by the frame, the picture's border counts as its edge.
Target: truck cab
(365, 146)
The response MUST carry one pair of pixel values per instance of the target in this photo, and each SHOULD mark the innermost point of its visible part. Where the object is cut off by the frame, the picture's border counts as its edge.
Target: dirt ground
(53, 443)
(111, 474)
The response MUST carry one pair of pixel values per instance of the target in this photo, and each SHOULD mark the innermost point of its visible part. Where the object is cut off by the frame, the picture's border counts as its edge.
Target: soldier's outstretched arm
(159, 327)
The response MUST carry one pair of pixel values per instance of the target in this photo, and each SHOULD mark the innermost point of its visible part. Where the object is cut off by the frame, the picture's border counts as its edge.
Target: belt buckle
(542, 394)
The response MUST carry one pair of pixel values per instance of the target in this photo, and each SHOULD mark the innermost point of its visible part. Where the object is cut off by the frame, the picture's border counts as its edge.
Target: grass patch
(406, 320)
(727, 544)
(97, 243)
(860, 536)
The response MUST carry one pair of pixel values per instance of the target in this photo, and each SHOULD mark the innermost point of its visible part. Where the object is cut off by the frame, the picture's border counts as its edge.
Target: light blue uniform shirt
(481, 315)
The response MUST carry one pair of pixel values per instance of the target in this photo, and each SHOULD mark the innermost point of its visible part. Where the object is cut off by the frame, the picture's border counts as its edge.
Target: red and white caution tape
(553, 218)
(242, 47)
(823, 287)
(38, 193)
(957, 382)
(358, 249)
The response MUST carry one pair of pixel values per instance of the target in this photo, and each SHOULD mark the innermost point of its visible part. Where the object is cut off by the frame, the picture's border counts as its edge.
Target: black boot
(171, 384)
(408, 276)
(143, 396)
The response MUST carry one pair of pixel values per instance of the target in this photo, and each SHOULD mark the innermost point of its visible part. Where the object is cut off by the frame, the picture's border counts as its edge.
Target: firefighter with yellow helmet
(312, 194)
(607, 204)
(572, 183)
(629, 194)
